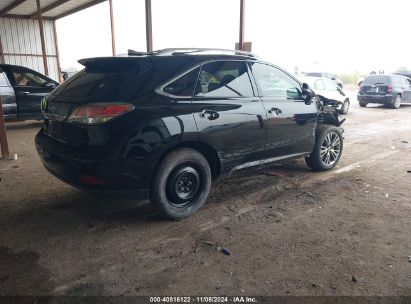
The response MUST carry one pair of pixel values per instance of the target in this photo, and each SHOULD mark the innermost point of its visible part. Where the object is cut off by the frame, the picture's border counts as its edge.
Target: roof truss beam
(80, 8)
(48, 8)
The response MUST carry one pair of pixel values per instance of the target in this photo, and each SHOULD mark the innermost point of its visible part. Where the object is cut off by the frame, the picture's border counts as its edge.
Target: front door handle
(211, 115)
(25, 93)
(275, 111)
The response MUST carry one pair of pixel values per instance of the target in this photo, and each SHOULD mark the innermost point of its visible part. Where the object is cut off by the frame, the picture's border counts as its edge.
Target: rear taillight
(97, 113)
(389, 89)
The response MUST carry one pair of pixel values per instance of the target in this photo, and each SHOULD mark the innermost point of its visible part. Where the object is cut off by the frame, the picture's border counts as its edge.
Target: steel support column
(56, 45)
(43, 43)
(113, 38)
(3, 136)
(242, 12)
(149, 27)
(2, 60)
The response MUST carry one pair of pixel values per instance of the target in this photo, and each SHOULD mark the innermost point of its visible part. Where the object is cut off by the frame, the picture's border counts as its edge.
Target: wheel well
(206, 150)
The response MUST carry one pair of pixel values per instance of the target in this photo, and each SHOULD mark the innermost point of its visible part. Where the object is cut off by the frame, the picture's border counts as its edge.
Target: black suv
(389, 90)
(168, 123)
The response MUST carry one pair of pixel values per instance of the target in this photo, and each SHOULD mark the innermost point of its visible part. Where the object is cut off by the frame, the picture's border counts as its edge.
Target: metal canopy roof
(50, 9)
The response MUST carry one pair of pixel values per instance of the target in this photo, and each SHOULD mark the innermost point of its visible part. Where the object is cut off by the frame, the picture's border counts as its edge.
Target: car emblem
(43, 104)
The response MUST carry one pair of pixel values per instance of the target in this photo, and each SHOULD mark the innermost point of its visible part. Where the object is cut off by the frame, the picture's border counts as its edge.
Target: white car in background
(328, 89)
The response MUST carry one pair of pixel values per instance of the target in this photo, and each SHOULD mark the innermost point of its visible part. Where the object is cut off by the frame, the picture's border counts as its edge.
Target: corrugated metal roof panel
(22, 46)
(29, 7)
(66, 7)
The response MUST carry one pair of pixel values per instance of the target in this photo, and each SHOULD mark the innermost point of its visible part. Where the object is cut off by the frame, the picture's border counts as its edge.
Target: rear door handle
(25, 93)
(275, 111)
(211, 115)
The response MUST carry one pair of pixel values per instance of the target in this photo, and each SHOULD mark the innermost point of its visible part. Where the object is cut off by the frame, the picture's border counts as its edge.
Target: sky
(340, 37)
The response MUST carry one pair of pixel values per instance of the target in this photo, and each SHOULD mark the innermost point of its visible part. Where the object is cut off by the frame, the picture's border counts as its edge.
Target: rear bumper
(380, 99)
(114, 181)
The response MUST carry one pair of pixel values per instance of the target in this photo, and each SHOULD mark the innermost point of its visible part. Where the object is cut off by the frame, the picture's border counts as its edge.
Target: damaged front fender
(328, 111)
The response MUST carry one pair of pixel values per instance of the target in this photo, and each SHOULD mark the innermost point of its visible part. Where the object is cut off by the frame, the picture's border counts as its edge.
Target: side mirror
(308, 94)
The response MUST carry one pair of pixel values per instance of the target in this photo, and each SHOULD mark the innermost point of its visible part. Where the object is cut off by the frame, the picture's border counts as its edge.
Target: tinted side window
(25, 77)
(330, 85)
(224, 79)
(184, 85)
(273, 82)
(319, 84)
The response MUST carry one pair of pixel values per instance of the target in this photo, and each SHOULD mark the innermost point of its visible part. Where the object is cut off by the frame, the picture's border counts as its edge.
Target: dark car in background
(21, 91)
(390, 90)
(165, 124)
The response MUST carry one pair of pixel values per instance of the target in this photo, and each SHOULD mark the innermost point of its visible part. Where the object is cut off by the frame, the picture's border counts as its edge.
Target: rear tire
(362, 104)
(327, 149)
(181, 183)
(397, 102)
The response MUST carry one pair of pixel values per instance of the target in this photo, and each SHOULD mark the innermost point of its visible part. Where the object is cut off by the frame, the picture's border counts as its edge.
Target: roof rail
(181, 51)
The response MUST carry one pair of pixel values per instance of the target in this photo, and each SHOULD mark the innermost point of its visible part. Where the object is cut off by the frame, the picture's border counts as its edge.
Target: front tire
(181, 183)
(345, 107)
(327, 149)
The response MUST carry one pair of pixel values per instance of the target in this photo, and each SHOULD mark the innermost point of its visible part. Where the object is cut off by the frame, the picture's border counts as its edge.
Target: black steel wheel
(181, 183)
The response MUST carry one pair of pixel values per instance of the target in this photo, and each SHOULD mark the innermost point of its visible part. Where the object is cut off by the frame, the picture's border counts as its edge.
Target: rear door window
(224, 79)
(184, 85)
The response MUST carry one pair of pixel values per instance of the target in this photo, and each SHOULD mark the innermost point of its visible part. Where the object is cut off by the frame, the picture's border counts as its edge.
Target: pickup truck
(21, 91)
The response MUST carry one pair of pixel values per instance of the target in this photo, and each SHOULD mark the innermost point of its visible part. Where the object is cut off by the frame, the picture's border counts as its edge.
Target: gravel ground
(290, 231)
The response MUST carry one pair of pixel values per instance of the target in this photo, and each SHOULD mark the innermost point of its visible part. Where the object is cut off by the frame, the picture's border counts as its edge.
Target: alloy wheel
(330, 149)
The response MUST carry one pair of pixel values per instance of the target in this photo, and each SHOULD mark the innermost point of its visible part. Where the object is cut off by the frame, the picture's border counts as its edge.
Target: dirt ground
(290, 231)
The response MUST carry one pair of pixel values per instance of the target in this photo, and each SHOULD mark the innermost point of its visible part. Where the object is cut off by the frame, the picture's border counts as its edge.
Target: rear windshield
(104, 82)
(377, 79)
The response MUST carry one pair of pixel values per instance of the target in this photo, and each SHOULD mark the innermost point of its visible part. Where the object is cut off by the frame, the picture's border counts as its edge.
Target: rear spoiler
(111, 61)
